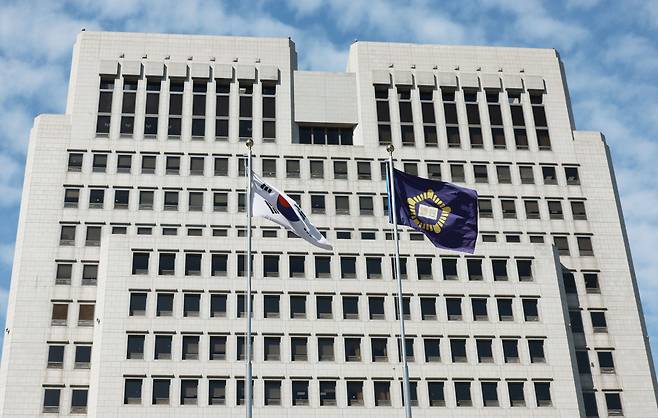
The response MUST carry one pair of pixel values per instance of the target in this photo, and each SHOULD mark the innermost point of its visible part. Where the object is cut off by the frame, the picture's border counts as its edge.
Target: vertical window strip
(152, 108)
(269, 111)
(199, 89)
(104, 107)
(128, 106)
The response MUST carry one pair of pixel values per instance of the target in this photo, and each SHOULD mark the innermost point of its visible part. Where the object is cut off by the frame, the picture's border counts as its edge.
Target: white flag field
(279, 208)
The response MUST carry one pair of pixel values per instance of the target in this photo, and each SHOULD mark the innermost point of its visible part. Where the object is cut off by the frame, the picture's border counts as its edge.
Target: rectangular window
(524, 270)
(511, 351)
(505, 311)
(170, 200)
(121, 199)
(536, 350)
(176, 88)
(137, 304)
(75, 162)
(55, 356)
(270, 265)
(599, 323)
(490, 394)
(79, 401)
(152, 108)
(192, 264)
(172, 165)
(406, 116)
(128, 107)
(323, 306)
(322, 267)
(298, 307)
(463, 394)
(480, 173)
(269, 112)
(51, 399)
(148, 164)
(325, 349)
(485, 208)
(436, 393)
(382, 393)
(299, 392)
(132, 392)
(549, 175)
(458, 350)
(543, 394)
(189, 391)
(222, 110)
(216, 392)
(298, 349)
(434, 171)
(161, 389)
(135, 348)
(317, 204)
(474, 267)
(449, 266)
(190, 349)
(350, 307)
(530, 310)
(140, 263)
(516, 394)
(479, 307)
(272, 390)
(504, 174)
(592, 283)
(221, 166)
(376, 307)
(355, 393)
(327, 393)
(484, 350)
(585, 248)
(428, 116)
(199, 89)
(352, 349)
(245, 110)
(428, 308)
(104, 107)
(165, 304)
(383, 114)
(340, 170)
(457, 173)
(217, 306)
(96, 198)
(451, 120)
(509, 208)
(272, 348)
(162, 347)
(531, 209)
(271, 306)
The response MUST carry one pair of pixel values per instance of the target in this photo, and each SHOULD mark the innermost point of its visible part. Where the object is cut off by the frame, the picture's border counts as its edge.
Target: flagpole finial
(249, 143)
(390, 148)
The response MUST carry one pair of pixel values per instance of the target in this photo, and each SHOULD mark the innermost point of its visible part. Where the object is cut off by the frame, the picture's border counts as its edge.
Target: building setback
(127, 294)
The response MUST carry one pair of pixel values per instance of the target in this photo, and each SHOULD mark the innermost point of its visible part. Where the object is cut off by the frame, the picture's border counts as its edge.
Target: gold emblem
(428, 212)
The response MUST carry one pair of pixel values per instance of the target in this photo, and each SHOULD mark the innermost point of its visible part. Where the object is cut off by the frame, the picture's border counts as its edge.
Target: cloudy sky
(609, 50)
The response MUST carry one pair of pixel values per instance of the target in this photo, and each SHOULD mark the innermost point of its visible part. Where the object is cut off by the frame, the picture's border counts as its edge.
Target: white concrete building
(127, 295)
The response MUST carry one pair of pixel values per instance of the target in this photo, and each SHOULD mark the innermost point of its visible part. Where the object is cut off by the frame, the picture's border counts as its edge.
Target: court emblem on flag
(428, 212)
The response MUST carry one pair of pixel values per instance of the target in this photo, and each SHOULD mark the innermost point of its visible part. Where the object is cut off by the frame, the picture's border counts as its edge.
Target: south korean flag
(279, 208)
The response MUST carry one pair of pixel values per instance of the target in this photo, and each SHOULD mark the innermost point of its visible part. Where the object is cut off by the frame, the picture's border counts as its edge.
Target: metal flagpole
(248, 380)
(403, 343)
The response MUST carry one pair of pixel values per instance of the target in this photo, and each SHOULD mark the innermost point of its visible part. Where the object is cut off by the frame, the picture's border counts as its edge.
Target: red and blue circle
(286, 209)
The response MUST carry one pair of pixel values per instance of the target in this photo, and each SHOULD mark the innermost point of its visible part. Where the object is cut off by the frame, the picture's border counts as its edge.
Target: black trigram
(266, 188)
(272, 208)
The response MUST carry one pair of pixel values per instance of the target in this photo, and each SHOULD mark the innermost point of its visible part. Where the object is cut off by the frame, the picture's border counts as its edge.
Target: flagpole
(403, 343)
(248, 380)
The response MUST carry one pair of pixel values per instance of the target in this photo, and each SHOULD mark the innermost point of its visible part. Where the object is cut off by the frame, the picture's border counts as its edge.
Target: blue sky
(609, 50)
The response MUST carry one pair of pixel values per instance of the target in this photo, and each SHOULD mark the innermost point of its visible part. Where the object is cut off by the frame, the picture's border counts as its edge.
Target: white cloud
(634, 51)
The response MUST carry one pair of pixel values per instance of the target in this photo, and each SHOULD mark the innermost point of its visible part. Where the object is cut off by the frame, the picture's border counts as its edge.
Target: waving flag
(279, 208)
(447, 214)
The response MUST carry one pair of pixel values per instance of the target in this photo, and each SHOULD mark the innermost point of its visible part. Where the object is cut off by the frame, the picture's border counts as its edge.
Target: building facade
(128, 288)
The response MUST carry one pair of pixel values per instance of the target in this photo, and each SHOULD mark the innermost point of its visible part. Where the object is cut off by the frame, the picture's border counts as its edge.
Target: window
(216, 392)
(352, 349)
(79, 401)
(454, 308)
(518, 120)
(199, 89)
(562, 245)
(480, 173)
(220, 202)
(75, 162)
(428, 308)
(189, 391)
(317, 204)
(292, 169)
(383, 114)
(576, 321)
(161, 391)
(140, 263)
(296, 265)
(457, 173)
(297, 306)
(591, 409)
(162, 347)
(327, 393)
(578, 210)
(555, 209)
(322, 267)
(55, 356)
(474, 267)
(190, 347)
(347, 267)
(299, 392)
(504, 175)
(606, 363)
(458, 350)
(484, 350)
(536, 349)
(490, 393)
(137, 304)
(51, 397)
(104, 109)
(509, 208)
(195, 201)
(527, 175)
(592, 283)
(463, 394)
(505, 312)
(585, 246)
(145, 199)
(270, 265)
(63, 274)
(548, 173)
(516, 395)
(613, 403)
(511, 351)
(165, 304)
(269, 167)
(172, 165)
(382, 393)
(355, 393)
(96, 198)
(340, 170)
(191, 303)
(350, 307)
(406, 307)
(128, 107)
(217, 306)
(176, 88)
(450, 117)
(170, 200)
(530, 312)
(132, 393)
(485, 208)
(167, 264)
(543, 394)
(272, 392)
(99, 163)
(324, 307)
(121, 199)
(524, 270)
(86, 315)
(271, 306)
(376, 307)
(342, 205)
(269, 111)
(599, 323)
(71, 198)
(272, 348)
(436, 393)
(317, 168)
(424, 268)
(325, 349)
(406, 115)
(298, 349)
(192, 264)
(135, 348)
(363, 170)
(479, 306)
(222, 89)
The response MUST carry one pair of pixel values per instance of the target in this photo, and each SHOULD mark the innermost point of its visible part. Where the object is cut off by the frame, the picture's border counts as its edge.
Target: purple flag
(445, 213)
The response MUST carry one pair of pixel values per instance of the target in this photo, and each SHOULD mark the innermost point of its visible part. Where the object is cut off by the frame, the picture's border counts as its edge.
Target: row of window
(348, 393)
(60, 313)
(534, 208)
(326, 306)
(200, 165)
(477, 106)
(176, 108)
(480, 350)
(351, 266)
